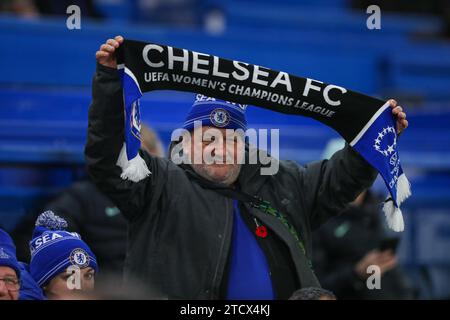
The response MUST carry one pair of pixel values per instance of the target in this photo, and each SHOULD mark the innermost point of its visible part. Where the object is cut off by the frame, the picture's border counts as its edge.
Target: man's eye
(66, 276)
(11, 281)
(89, 276)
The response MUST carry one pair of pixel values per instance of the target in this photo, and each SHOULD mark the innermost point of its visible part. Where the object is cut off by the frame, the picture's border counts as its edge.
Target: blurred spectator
(23, 8)
(312, 293)
(59, 7)
(15, 279)
(348, 244)
(151, 141)
(53, 251)
(214, 21)
(9, 269)
(91, 214)
(174, 13)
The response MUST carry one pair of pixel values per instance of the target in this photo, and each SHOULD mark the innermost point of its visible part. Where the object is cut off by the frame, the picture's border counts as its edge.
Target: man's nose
(219, 152)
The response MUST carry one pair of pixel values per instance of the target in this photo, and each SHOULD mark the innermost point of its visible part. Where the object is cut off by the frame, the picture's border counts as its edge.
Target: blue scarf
(366, 123)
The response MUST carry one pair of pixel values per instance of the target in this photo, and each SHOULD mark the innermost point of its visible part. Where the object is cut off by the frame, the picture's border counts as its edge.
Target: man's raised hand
(400, 115)
(106, 54)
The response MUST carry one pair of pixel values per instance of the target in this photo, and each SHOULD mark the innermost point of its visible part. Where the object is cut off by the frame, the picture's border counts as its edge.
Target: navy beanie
(216, 113)
(8, 253)
(53, 249)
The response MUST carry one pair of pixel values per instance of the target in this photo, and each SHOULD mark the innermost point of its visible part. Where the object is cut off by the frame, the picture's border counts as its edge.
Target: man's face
(9, 284)
(58, 288)
(216, 154)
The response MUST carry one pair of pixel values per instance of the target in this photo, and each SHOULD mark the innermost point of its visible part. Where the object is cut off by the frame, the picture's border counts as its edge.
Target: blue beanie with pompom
(53, 249)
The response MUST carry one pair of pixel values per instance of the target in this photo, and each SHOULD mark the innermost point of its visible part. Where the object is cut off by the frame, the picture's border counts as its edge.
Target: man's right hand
(385, 260)
(105, 55)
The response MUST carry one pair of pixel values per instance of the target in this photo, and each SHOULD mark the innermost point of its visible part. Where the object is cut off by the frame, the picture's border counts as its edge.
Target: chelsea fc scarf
(366, 123)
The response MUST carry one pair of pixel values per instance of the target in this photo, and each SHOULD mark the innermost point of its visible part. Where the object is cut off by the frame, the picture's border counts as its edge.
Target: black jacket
(180, 233)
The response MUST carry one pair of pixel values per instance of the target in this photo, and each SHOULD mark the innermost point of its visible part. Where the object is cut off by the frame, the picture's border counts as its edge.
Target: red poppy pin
(261, 231)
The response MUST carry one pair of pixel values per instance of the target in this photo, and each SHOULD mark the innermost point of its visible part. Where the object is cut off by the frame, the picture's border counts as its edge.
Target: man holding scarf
(217, 231)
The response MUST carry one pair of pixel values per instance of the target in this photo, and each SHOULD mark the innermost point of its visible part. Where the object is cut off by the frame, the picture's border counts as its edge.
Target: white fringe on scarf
(135, 169)
(394, 217)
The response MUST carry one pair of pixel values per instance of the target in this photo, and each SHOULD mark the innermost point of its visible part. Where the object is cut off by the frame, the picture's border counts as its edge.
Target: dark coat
(179, 232)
